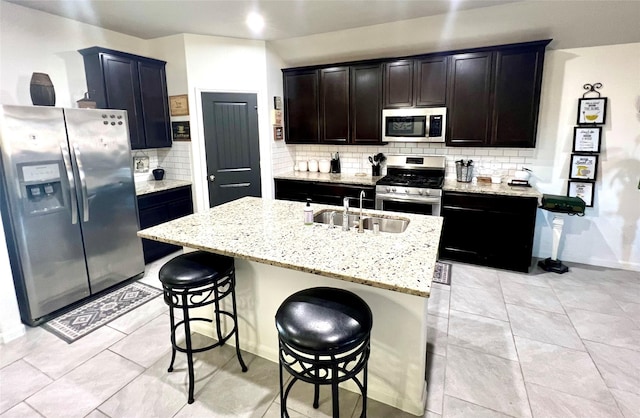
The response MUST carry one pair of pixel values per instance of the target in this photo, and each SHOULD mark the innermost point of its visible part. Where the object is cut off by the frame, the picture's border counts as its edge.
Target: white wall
(32, 41)
(282, 156)
(217, 64)
(609, 234)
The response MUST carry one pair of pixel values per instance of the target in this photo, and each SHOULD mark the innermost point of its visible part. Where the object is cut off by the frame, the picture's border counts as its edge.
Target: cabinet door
(122, 91)
(301, 107)
(334, 105)
(398, 84)
(518, 78)
(366, 104)
(153, 94)
(431, 81)
(470, 99)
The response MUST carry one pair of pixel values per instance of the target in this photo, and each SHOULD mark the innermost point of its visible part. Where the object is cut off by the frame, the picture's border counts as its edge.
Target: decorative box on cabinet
(489, 230)
(494, 96)
(159, 207)
(118, 80)
(324, 193)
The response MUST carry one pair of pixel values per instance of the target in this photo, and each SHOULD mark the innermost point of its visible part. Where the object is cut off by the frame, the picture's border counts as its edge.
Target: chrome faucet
(361, 218)
(332, 216)
(345, 216)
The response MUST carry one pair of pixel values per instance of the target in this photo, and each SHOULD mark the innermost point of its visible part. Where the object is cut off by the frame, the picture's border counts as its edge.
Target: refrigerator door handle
(72, 183)
(83, 184)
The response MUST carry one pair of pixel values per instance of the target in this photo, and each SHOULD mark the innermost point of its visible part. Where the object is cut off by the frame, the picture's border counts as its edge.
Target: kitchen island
(277, 255)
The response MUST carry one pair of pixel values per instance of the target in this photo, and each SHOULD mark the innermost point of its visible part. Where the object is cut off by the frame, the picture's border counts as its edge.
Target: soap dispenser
(308, 213)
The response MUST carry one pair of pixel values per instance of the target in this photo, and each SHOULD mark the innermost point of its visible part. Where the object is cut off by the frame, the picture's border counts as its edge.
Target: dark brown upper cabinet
(398, 83)
(301, 106)
(469, 99)
(431, 81)
(494, 96)
(415, 82)
(118, 80)
(366, 104)
(334, 105)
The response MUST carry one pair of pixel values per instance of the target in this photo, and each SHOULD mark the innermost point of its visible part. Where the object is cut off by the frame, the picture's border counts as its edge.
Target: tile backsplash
(176, 162)
(354, 159)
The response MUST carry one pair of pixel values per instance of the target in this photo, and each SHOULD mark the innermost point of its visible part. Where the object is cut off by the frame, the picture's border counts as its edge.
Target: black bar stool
(193, 280)
(324, 337)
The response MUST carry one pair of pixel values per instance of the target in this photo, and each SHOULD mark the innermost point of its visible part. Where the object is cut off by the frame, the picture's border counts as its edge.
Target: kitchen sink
(390, 224)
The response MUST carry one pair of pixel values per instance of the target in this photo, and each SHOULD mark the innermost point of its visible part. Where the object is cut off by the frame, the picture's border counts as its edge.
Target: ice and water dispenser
(41, 185)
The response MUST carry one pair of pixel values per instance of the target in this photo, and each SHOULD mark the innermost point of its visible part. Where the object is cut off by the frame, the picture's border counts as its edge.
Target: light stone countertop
(502, 189)
(152, 186)
(450, 184)
(272, 232)
(342, 178)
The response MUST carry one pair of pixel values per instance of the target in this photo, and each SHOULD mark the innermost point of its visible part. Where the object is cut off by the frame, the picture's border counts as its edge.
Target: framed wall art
(179, 105)
(587, 139)
(582, 189)
(592, 111)
(583, 167)
(181, 131)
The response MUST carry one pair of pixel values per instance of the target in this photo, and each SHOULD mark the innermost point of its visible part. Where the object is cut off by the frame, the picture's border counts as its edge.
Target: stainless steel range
(413, 184)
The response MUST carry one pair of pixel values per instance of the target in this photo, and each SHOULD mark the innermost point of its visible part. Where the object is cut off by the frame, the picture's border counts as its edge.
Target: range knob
(427, 192)
(388, 189)
(420, 192)
(393, 189)
(407, 191)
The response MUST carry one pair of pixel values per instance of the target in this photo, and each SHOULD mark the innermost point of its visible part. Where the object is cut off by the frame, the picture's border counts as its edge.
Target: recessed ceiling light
(255, 22)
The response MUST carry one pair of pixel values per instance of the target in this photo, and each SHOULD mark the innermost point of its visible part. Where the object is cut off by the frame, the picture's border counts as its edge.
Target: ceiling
(305, 32)
(148, 19)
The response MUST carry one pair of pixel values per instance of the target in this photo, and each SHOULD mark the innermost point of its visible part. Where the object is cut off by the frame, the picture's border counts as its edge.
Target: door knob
(212, 178)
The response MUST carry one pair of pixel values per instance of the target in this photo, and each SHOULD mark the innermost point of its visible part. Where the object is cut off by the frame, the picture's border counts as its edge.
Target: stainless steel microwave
(415, 124)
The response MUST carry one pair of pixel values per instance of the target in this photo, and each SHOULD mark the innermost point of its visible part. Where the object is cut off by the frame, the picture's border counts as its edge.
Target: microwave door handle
(83, 183)
(72, 183)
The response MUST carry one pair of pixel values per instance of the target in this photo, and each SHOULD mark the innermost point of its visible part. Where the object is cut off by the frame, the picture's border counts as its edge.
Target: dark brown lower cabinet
(160, 207)
(324, 193)
(489, 230)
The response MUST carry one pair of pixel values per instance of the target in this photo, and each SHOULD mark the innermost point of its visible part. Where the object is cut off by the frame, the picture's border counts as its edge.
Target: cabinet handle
(212, 178)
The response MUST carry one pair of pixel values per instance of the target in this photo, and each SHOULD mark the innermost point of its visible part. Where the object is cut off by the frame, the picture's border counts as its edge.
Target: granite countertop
(342, 178)
(272, 232)
(450, 184)
(503, 189)
(152, 186)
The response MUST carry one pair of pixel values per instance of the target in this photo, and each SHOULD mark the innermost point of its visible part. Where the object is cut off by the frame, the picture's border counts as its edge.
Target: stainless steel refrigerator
(68, 205)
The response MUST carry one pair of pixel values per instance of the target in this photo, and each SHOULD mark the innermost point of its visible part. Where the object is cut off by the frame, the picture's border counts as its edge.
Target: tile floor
(501, 344)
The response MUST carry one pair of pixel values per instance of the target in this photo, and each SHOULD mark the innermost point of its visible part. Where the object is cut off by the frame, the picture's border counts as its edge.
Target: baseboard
(16, 331)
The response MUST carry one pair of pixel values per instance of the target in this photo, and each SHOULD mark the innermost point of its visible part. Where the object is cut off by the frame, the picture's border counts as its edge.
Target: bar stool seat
(324, 339)
(194, 280)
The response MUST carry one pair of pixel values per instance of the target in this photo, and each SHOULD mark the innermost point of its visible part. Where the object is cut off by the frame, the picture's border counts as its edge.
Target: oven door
(420, 206)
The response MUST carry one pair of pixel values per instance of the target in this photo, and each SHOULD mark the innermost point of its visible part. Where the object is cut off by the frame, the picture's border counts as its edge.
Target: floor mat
(442, 273)
(92, 315)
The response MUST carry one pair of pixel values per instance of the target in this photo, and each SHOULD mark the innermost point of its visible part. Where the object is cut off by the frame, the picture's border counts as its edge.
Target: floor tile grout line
(485, 407)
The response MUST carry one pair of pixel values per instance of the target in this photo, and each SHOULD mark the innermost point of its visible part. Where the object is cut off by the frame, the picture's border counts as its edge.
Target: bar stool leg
(316, 389)
(235, 320)
(216, 309)
(173, 339)
(334, 391)
(187, 337)
(363, 414)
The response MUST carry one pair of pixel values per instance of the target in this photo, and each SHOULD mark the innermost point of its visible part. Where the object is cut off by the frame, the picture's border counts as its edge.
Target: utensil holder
(464, 173)
(375, 170)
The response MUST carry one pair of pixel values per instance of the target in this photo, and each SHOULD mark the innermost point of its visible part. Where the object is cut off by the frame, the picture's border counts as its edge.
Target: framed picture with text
(582, 189)
(587, 139)
(583, 167)
(592, 111)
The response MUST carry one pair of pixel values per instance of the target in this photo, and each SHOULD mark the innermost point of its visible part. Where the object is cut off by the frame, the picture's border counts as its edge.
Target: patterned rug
(442, 273)
(92, 315)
